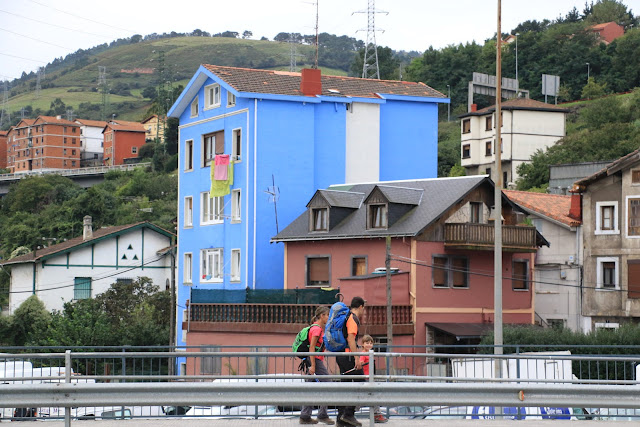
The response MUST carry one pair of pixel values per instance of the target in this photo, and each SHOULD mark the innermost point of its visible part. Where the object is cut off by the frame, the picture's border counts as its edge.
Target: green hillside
(74, 80)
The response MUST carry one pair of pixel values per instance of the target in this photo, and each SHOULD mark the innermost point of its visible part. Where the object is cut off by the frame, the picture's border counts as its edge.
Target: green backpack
(301, 343)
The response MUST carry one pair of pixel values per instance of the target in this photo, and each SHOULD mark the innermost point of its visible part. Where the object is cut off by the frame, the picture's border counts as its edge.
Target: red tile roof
(55, 120)
(554, 206)
(94, 123)
(518, 104)
(288, 83)
(125, 126)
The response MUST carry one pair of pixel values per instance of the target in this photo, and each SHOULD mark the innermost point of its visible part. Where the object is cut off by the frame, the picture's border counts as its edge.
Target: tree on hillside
(246, 34)
(593, 89)
(609, 10)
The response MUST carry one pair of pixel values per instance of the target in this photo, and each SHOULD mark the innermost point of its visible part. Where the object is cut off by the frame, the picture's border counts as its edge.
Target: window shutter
(459, 266)
(520, 275)
(219, 142)
(633, 279)
(318, 270)
(440, 272)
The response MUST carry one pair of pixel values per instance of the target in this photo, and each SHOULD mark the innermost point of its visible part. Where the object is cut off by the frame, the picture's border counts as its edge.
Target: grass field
(78, 83)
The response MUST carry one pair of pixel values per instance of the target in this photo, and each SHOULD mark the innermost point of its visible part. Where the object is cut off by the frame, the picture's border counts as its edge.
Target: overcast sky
(34, 32)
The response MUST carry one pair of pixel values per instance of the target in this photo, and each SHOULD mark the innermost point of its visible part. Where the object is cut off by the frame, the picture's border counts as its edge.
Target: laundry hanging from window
(221, 167)
(221, 188)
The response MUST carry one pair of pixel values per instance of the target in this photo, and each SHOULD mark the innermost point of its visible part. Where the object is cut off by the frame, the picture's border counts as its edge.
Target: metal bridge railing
(91, 384)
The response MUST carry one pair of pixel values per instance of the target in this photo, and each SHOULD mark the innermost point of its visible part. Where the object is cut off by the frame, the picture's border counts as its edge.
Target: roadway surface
(277, 422)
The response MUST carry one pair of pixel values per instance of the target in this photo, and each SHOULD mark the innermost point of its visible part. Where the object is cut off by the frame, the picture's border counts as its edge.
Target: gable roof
(78, 242)
(24, 122)
(624, 162)
(401, 195)
(125, 126)
(284, 83)
(518, 104)
(445, 193)
(288, 83)
(341, 199)
(54, 120)
(553, 206)
(94, 123)
(151, 117)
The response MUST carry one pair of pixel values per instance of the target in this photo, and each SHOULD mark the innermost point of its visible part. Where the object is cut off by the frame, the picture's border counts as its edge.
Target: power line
(406, 260)
(67, 284)
(35, 39)
(54, 25)
(21, 57)
(82, 17)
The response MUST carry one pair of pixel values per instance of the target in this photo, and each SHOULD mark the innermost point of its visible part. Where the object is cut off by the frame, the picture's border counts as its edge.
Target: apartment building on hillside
(91, 142)
(43, 144)
(122, 140)
(3, 148)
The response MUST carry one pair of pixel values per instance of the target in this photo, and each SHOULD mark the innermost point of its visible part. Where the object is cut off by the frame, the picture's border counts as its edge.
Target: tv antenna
(274, 195)
(370, 67)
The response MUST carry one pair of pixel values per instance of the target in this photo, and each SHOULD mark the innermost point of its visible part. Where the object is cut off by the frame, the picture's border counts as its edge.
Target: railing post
(67, 379)
(372, 371)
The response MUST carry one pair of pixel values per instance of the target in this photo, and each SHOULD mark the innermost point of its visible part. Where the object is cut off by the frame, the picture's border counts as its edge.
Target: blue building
(287, 135)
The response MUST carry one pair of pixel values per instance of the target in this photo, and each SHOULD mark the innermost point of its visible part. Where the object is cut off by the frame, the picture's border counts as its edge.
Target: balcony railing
(286, 313)
(481, 237)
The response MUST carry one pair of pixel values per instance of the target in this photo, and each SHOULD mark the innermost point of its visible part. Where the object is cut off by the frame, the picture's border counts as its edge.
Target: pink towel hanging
(221, 165)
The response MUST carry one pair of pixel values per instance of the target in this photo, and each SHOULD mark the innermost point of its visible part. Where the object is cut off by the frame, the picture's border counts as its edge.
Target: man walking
(350, 365)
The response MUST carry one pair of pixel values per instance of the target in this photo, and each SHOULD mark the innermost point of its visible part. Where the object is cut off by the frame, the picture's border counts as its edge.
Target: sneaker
(350, 420)
(308, 421)
(379, 418)
(327, 421)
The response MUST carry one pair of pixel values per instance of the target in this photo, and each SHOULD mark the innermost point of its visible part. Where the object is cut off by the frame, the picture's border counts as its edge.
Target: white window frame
(187, 273)
(236, 151)
(599, 270)
(211, 209)
(195, 110)
(235, 265)
(212, 100)
(231, 99)
(188, 154)
(209, 149)
(626, 217)
(236, 205)
(211, 260)
(188, 211)
(599, 206)
(134, 150)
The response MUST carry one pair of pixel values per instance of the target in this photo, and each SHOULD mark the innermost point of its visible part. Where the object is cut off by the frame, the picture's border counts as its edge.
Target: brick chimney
(311, 82)
(474, 108)
(575, 211)
(87, 228)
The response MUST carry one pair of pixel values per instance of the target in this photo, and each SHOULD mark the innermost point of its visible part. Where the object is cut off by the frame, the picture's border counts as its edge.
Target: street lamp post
(588, 72)
(517, 81)
(449, 104)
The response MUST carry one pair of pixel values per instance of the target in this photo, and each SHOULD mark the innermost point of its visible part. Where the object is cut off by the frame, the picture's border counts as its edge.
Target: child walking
(367, 345)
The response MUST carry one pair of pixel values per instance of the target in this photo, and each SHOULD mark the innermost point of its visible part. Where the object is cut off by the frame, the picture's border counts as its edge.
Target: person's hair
(357, 302)
(320, 311)
(367, 338)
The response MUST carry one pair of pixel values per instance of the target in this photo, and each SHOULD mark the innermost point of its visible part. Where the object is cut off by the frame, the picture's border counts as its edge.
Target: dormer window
(377, 216)
(319, 218)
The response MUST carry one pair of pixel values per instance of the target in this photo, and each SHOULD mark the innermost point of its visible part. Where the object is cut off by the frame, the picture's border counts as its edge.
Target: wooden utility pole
(497, 208)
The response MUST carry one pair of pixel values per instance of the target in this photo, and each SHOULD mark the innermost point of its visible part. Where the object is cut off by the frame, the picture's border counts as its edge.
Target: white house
(91, 142)
(85, 266)
(527, 125)
(557, 266)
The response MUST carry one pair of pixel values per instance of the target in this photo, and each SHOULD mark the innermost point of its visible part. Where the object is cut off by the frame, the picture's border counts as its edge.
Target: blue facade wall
(408, 140)
(285, 154)
(330, 136)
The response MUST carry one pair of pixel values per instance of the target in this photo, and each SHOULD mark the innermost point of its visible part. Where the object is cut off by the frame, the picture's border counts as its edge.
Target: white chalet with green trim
(86, 266)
